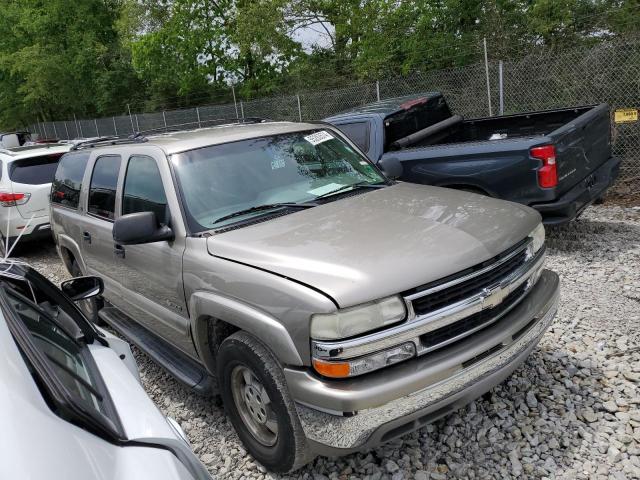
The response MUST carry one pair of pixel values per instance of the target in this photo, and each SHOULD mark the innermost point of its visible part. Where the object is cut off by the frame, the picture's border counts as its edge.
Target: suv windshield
(220, 180)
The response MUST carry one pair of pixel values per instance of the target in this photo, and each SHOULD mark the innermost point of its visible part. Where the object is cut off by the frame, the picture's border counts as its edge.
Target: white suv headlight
(537, 238)
(355, 320)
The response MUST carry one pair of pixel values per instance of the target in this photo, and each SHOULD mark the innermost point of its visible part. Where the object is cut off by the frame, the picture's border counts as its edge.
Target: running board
(178, 364)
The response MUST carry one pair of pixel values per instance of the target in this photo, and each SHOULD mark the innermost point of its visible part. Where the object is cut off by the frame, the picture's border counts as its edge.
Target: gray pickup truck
(556, 161)
(331, 307)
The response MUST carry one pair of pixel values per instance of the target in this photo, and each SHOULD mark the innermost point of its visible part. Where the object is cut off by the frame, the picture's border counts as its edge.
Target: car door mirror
(81, 288)
(391, 167)
(140, 227)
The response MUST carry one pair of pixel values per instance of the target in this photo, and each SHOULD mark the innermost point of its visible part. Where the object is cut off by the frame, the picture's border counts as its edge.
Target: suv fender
(205, 305)
(65, 242)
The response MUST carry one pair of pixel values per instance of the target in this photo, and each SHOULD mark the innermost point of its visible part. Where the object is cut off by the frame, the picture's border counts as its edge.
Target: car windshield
(294, 168)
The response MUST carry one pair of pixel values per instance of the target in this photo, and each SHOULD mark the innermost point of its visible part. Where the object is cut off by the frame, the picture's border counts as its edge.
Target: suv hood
(380, 242)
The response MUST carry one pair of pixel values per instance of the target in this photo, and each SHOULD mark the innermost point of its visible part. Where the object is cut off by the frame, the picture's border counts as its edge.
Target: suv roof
(17, 153)
(182, 140)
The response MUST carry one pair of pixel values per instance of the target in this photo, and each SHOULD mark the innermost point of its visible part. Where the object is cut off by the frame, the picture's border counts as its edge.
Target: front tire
(89, 307)
(257, 402)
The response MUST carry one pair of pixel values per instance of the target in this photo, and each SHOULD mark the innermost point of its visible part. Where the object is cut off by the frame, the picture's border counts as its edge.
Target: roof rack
(181, 127)
(102, 141)
(141, 135)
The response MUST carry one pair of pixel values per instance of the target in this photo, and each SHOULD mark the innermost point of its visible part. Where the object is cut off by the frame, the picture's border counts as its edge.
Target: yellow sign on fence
(626, 115)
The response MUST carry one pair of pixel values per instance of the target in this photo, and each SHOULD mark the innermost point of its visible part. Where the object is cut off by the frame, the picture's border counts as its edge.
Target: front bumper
(339, 417)
(588, 190)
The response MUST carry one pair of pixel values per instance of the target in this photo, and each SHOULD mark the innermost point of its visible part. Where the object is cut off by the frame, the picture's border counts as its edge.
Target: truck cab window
(102, 190)
(143, 189)
(358, 133)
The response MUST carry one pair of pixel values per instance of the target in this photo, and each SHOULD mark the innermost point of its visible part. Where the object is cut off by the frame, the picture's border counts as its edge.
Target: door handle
(86, 236)
(118, 250)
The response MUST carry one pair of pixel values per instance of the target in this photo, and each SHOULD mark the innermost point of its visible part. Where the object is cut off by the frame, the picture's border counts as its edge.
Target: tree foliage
(94, 57)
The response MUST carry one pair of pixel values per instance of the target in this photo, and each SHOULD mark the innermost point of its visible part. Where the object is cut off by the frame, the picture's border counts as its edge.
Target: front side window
(34, 171)
(67, 180)
(221, 180)
(143, 189)
(102, 190)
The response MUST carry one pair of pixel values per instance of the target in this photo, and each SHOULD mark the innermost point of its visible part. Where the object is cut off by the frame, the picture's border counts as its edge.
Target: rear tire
(91, 306)
(257, 402)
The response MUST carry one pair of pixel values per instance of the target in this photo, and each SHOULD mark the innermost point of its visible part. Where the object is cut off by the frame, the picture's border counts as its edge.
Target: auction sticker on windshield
(318, 137)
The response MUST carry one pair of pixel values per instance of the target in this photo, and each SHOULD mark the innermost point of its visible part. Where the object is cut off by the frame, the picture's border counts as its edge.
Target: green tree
(56, 57)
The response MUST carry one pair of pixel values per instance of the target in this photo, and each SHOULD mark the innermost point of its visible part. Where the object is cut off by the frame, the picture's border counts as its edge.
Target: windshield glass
(297, 167)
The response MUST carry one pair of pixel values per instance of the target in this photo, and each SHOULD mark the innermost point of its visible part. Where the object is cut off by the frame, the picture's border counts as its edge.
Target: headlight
(537, 238)
(353, 321)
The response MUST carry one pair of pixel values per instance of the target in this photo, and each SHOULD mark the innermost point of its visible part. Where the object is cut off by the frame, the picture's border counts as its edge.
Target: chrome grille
(449, 333)
(457, 292)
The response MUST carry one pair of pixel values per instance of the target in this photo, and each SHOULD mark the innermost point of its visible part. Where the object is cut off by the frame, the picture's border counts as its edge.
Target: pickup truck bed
(505, 157)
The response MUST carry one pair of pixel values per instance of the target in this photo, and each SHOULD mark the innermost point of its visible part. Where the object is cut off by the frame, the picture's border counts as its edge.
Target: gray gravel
(572, 411)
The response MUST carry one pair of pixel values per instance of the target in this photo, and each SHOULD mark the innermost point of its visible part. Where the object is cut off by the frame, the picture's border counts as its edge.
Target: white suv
(71, 403)
(25, 185)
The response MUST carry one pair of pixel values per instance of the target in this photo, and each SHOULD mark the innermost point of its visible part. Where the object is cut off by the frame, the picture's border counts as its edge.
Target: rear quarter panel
(66, 230)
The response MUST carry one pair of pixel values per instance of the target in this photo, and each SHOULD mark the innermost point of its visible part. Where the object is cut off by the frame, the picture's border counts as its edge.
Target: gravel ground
(571, 411)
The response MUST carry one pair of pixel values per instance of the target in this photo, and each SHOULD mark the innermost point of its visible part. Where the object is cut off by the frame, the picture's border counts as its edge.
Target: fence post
(235, 104)
(299, 108)
(378, 89)
(242, 109)
(486, 69)
(501, 87)
(164, 119)
(80, 126)
(137, 124)
(55, 130)
(77, 129)
(198, 115)
(115, 127)
(133, 129)
(66, 129)
(95, 122)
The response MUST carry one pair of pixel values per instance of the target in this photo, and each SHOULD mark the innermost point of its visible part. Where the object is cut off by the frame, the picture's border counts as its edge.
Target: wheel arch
(217, 317)
(69, 251)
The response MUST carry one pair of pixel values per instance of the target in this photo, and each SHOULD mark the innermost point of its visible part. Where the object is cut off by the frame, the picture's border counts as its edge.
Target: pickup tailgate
(582, 145)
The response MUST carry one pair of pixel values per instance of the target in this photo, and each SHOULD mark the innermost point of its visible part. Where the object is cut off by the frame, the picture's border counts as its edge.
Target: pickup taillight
(12, 199)
(548, 173)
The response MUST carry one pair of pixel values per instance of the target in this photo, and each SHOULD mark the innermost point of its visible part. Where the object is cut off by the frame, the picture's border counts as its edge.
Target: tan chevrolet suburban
(331, 307)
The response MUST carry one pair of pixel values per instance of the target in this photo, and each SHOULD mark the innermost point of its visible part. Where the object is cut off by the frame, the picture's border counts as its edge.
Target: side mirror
(81, 288)
(141, 227)
(391, 167)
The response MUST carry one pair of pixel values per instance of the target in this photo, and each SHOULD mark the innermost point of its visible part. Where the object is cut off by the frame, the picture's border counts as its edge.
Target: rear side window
(102, 190)
(143, 189)
(358, 133)
(67, 180)
(34, 171)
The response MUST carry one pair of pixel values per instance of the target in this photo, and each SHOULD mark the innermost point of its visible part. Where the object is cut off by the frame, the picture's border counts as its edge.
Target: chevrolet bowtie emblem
(493, 296)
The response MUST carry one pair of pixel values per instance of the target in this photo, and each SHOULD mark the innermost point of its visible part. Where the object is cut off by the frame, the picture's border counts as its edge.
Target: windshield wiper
(267, 206)
(363, 184)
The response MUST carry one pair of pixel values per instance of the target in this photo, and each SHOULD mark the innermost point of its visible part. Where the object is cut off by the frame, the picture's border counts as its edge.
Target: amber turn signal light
(331, 369)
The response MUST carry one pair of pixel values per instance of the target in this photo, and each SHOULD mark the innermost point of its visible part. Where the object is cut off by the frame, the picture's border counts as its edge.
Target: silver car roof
(184, 140)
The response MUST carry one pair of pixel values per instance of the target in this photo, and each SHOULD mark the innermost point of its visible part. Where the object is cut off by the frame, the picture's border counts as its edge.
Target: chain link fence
(606, 72)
